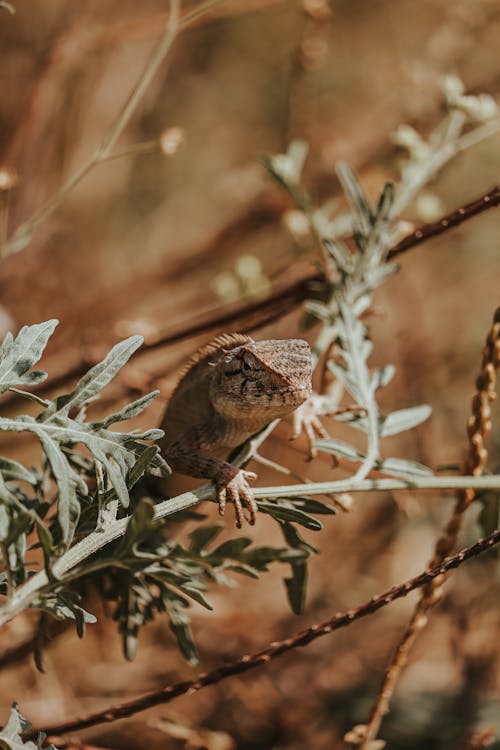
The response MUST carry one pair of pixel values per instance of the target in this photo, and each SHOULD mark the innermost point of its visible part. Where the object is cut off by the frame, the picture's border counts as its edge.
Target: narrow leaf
(402, 467)
(382, 377)
(404, 419)
(100, 375)
(339, 448)
(131, 410)
(355, 194)
(18, 355)
(290, 514)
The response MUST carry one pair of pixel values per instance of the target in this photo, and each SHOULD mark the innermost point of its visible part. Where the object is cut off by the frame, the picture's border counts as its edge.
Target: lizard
(228, 391)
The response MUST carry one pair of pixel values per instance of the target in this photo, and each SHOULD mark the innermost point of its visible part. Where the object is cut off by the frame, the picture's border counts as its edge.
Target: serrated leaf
(404, 419)
(68, 481)
(11, 734)
(118, 453)
(179, 625)
(13, 470)
(203, 535)
(17, 356)
(139, 526)
(290, 514)
(97, 377)
(233, 548)
(130, 410)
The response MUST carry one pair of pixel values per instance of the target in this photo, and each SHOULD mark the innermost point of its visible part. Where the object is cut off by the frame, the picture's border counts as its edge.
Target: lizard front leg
(231, 483)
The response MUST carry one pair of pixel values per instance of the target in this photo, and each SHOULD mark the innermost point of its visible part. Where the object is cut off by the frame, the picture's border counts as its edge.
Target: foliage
(11, 734)
(91, 477)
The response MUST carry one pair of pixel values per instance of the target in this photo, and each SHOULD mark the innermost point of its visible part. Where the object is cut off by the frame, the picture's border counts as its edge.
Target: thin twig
(453, 219)
(478, 427)
(275, 649)
(103, 151)
(25, 595)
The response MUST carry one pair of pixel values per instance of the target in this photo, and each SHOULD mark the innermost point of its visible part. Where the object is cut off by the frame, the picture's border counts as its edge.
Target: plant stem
(27, 594)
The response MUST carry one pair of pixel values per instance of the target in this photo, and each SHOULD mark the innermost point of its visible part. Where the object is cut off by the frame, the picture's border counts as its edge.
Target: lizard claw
(239, 492)
(305, 419)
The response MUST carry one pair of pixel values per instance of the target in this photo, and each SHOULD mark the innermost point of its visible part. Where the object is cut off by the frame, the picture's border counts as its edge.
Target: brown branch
(275, 649)
(478, 427)
(454, 219)
(250, 317)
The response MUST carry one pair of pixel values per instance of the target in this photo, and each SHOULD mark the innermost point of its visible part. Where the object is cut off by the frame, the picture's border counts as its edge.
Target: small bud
(428, 207)
(452, 87)
(248, 266)
(297, 224)
(8, 178)
(477, 108)
(171, 140)
(407, 137)
(226, 287)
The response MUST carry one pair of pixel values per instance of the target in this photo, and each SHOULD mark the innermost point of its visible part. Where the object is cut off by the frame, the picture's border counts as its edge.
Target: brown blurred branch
(250, 317)
(478, 427)
(275, 649)
(453, 219)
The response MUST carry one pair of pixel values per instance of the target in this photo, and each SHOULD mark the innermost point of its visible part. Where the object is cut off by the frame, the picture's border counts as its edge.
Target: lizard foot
(305, 419)
(239, 492)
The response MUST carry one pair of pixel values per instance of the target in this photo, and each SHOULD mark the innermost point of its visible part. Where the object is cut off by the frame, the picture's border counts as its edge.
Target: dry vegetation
(183, 234)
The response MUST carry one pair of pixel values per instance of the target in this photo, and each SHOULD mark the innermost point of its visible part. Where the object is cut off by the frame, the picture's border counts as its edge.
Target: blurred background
(161, 240)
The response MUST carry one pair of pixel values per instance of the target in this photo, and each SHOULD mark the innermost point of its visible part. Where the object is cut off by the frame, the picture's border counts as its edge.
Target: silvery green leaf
(342, 256)
(339, 448)
(318, 309)
(68, 481)
(366, 349)
(13, 470)
(353, 418)
(96, 378)
(17, 356)
(342, 374)
(11, 734)
(179, 625)
(375, 276)
(382, 377)
(401, 467)
(404, 419)
(130, 410)
(355, 194)
(361, 305)
(117, 452)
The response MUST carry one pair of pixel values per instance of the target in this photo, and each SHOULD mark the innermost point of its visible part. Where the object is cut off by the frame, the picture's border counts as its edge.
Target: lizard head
(262, 379)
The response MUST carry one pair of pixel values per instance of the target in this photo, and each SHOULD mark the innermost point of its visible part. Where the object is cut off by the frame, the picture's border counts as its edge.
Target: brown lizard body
(229, 390)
